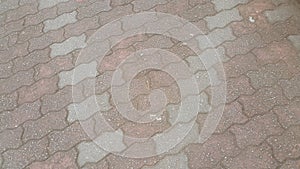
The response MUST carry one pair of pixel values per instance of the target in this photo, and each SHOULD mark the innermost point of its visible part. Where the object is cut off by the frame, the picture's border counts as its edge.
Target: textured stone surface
(60, 21)
(258, 46)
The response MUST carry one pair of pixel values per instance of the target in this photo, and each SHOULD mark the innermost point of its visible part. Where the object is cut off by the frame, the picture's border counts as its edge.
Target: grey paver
(227, 4)
(68, 45)
(295, 39)
(223, 18)
(47, 4)
(89, 152)
(85, 109)
(60, 21)
(215, 38)
(282, 13)
(82, 71)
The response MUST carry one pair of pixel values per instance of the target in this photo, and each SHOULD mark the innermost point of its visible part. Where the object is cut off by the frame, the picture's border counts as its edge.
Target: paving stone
(115, 13)
(243, 44)
(291, 87)
(67, 138)
(240, 64)
(286, 145)
(32, 59)
(154, 42)
(199, 12)
(7, 5)
(215, 38)
(288, 115)
(176, 7)
(86, 109)
(58, 160)
(223, 18)
(291, 164)
(37, 90)
(6, 69)
(111, 141)
(102, 164)
(56, 101)
(93, 9)
(281, 13)
(252, 157)
(81, 26)
(47, 4)
(20, 12)
(30, 32)
(44, 125)
(39, 17)
(179, 161)
(227, 4)
(90, 152)
(238, 86)
(211, 152)
(116, 161)
(142, 5)
(274, 52)
(12, 119)
(56, 65)
(16, 81)
(10, 139)
(60, 21)
(12, 52)
(295, 39)
(46, 40)
(82, 71)
(69, 45)
(256, 130)
(269, 75)
(233, 114)
(35, 150)
(263, 100)
(8, 101)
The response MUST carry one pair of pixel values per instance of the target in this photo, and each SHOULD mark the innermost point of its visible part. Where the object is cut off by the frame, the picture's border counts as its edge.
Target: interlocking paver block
(223, 18)
(90, 106)
(58, 160)
(286, 145)
(60, 21)
(10, 139)
(283, 12)
(20, 12)
(81, 72)
(47, 4)
(89, 152)
(252, 157)
(257, 130)
(291, 87)
(93, 9)
(34, 150)
(66, 138)
(227, 4)
(67, 46)
(16, 81)
(38, 128)
(12, 119)
(46, 39)
(215, 38)
(295, 39)
(7, 5)
(141, 5)
(179, 161)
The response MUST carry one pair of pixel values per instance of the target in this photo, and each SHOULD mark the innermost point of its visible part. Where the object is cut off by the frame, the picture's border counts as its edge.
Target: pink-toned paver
(260, 126)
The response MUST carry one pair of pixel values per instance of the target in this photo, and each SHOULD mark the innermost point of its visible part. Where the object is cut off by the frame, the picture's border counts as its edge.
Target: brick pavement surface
(40, 41)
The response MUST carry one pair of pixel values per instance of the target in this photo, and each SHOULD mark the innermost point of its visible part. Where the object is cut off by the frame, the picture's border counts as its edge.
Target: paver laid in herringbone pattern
(41, 42)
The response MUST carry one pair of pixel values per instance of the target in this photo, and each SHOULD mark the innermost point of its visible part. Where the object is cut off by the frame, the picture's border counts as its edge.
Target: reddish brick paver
(260, 126)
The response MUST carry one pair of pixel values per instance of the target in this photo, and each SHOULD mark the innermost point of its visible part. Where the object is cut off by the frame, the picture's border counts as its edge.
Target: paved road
(40, 45)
